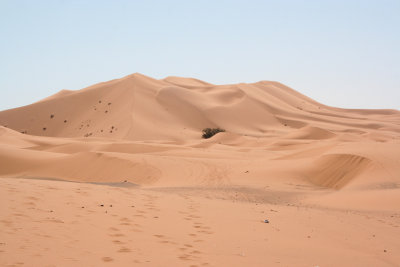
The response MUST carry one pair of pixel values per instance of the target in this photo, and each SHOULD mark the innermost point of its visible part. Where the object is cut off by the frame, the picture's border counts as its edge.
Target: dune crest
(312, 133)
(147, 131)
(138, 107)
(337, 170)
(287, 173)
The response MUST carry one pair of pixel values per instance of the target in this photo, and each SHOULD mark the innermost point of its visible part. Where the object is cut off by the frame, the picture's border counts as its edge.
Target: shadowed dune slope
(138, 107)
(290, 182)
(148, 132)
(337, 170)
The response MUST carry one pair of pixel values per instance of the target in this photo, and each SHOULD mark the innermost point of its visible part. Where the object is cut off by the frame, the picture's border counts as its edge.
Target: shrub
(210, 132)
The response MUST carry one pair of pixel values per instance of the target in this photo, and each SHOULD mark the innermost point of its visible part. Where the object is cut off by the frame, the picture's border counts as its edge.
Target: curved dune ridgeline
(119, 174)
(148, 132)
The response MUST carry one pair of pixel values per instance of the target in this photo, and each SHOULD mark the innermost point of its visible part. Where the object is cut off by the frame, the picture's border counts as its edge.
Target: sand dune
(140, 138)
(309, 132)
(137, 107)
(129, 129)
(337, 170)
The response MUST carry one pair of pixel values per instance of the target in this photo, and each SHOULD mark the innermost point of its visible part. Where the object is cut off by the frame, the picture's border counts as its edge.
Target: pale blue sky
(341, 53)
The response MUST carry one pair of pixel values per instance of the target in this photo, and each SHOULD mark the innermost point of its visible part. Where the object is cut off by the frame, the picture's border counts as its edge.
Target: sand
(117, 174)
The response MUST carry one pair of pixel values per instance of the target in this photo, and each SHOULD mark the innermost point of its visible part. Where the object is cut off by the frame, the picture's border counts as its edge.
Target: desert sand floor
(56, 223)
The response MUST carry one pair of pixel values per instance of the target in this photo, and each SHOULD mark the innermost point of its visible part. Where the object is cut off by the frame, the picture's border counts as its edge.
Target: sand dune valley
(118, 174)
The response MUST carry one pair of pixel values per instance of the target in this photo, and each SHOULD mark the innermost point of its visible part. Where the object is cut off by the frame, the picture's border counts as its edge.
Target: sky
(340, 53)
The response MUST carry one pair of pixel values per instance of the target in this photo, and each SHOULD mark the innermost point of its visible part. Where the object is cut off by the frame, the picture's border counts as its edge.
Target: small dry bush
(210, 132)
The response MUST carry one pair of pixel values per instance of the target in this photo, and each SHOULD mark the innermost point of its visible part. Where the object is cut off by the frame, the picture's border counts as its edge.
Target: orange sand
(327, 179)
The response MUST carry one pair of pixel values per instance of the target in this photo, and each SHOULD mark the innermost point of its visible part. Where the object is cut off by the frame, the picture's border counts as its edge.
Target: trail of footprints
(123, 235)
(123, 232)
(190, 251)
(125, 227)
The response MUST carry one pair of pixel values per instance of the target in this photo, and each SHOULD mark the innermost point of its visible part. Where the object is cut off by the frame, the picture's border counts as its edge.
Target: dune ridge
(136, 141)
(131, 107)
(131, 124)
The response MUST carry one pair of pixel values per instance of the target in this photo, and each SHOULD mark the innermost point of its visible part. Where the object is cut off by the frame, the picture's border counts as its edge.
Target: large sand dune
(281, 150)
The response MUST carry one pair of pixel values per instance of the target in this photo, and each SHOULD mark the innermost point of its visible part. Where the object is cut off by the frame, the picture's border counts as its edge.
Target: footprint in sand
(30, 205)
(107, 259)
(125, 221)
(185, 257)
(32, 198)
(141, 211)
(159, 236)
(116, 235)
(205, 232)
(124, 250)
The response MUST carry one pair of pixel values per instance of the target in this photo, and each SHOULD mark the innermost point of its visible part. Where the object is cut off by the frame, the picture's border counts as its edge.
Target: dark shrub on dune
(210, 132)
